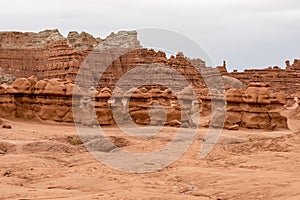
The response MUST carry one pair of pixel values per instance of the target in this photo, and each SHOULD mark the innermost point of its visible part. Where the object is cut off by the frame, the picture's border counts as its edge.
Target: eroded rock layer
(46, 54)
(255, 107)
(280, 80)
(56, 100)
(52, 62)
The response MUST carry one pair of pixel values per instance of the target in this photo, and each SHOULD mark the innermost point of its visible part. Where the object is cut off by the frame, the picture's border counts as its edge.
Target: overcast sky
(246, 33)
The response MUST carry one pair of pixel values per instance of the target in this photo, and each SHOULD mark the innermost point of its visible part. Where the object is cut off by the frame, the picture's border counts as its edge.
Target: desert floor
(47, 161)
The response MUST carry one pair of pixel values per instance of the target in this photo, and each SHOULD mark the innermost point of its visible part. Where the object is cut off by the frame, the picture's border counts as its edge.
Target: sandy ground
(42, 161)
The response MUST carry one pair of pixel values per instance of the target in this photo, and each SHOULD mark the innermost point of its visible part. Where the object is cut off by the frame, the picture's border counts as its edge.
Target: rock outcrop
(275, 76)
(48, 55)
(51, 100)
(54, 100)
(82, 41)
(252, 108)
(44, 54)
(52, 62)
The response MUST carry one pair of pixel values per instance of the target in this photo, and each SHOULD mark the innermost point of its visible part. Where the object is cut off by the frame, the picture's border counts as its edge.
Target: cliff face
(28, 40)
(280, 80)
(55, 100)
(49, 55)
(53, 61)
(255, 107)
(46, 54)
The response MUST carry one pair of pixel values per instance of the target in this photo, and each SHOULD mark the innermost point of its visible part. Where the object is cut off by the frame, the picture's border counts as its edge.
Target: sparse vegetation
(74, 140)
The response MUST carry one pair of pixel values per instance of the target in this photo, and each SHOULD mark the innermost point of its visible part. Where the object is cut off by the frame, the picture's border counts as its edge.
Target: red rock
(276, 76)
(40, 86)
(55, 87)
(252, 108)
(48, 55)
(23, 85)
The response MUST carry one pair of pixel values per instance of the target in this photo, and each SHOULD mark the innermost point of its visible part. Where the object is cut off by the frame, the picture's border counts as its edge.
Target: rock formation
(52, 62)
(252, 108)
(49, 55)
(275, 76)
(44, 54)
(51, 100)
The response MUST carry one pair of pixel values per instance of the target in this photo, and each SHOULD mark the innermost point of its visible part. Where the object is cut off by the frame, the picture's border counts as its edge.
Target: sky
(245, 33)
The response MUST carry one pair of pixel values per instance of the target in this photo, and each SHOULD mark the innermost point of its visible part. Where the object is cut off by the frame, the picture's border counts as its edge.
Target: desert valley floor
(47, 161)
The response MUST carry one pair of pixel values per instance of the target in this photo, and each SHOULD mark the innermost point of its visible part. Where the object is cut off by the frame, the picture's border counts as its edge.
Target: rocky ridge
(280, 80)
(52, 62)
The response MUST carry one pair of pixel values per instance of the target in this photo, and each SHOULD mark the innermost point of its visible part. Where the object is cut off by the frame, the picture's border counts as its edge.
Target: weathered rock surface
(82, 41)
(52, 63)
(51, 100)
(49, 55)
(252, 108)
(275, 76)
(46, 54)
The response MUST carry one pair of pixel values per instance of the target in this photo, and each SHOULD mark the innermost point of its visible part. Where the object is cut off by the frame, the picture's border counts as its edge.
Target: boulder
(233, 118)
(55, 87)
(257, 93)
(234, 95)
(40, 86)
(23, 85)
(255, 120)
(277, 121)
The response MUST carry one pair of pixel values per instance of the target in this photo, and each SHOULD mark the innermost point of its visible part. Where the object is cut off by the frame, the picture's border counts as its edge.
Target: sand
(48, 161)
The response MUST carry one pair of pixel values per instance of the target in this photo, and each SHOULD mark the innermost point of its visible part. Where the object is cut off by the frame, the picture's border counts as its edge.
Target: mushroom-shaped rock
(257, 93)
(7, 89)
(104, 93)
(167, 93)
(10, 89)
(234, 95)
(278, 97)
(143, 89)
(4, 123)
(32, 80)
(55, 87)
(23, 85)
(2, 89)
(40, 86)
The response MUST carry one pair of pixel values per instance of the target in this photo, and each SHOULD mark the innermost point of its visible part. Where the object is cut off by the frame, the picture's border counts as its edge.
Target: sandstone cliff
(280, 80)
(44, 54)
(52, 63)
